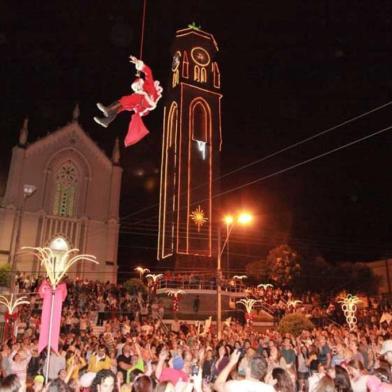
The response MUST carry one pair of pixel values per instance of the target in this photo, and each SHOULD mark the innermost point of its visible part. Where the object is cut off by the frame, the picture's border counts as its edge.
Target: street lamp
(28, 190)
(243, 219)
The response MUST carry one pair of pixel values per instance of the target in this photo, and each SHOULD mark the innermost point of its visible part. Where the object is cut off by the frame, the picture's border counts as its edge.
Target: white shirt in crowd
(247, 386)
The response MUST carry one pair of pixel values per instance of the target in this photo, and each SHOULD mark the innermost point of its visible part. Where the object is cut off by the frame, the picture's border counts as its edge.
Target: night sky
(289, 69)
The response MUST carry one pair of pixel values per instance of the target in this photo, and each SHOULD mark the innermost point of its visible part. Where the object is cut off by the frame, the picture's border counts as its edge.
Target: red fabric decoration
(136, 131)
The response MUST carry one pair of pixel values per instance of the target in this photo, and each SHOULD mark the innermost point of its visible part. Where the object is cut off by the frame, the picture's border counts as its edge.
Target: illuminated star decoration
(198, 218)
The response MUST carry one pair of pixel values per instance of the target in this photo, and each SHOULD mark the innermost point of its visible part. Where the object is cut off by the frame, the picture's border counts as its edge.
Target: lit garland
(349, 307)
(198, 217)
(57, 266)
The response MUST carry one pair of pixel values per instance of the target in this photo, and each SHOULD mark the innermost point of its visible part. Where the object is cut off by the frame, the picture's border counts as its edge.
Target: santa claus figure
(147, 93)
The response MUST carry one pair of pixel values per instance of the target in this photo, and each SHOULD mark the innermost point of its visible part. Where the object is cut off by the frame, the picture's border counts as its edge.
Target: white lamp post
(28, 190)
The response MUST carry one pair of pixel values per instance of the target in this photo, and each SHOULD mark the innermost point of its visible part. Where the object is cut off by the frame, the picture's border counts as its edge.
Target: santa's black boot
(105, 121)
(108, 110)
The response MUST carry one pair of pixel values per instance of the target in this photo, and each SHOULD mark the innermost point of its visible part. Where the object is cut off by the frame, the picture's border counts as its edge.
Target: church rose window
(66, 182)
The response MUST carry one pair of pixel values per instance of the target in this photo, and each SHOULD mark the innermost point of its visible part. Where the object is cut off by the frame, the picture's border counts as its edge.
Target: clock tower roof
(196, 33)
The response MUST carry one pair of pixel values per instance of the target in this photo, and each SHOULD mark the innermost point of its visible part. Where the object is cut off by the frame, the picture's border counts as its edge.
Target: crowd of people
(134, 351)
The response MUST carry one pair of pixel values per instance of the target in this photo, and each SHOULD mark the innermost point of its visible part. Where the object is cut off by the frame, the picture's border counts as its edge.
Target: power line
(287, 148)
(289, 168)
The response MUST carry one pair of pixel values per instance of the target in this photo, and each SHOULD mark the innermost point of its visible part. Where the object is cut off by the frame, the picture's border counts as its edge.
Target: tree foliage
(294, 324)
(5, 275)
(133, 286)
(283, 265)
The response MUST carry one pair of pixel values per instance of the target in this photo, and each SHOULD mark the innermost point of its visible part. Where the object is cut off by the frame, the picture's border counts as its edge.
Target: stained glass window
(66, 183)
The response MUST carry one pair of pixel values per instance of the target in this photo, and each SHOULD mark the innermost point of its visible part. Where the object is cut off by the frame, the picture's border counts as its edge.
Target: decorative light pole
(10, 315)
(141, 271)
(349, 307)
(249, 304)
(57, 260)
(176, 299)
(264, 286)
(292, 303)
(243, 219)
(155, 278)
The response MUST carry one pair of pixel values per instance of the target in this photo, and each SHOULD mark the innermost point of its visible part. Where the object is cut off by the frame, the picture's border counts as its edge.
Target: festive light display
(192, 138)
(239, 277)
(349, 307)
(293, 303)
(154, 277)
(264, 286)
(11, 315)
(55, 264)
(176, 298)
(198, 217)
(141, 271)
(249, 304)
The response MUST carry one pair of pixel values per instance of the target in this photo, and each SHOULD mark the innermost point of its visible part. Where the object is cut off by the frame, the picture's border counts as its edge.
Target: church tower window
(66, 180)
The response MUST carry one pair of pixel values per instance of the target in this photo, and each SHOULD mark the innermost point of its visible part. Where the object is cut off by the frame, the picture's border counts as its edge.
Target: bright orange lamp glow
(228, 219)
(245, 218)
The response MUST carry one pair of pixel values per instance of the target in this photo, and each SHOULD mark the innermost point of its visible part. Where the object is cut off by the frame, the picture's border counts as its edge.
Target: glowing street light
(243, 219)
(228, 219)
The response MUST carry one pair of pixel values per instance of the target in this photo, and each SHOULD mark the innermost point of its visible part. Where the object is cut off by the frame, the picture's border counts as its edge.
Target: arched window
(196, 73)
(203, 76)
(172, 125)
(199, 122)
(66, 180)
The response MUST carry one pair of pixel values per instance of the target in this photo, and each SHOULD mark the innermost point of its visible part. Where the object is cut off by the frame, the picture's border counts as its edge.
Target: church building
(62, 190)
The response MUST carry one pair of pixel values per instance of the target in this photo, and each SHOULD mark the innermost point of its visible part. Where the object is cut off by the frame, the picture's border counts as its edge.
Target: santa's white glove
(138, 63)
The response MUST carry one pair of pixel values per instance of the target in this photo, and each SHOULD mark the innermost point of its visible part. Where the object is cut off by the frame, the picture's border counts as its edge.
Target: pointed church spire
(24, 132)
(116, 152)
(76, 113)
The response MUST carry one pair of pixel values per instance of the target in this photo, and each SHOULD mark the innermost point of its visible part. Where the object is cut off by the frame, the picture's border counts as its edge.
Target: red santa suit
(141, 102)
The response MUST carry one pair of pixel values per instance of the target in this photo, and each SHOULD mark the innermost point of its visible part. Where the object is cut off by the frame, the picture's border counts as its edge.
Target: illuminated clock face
(200, 56)
(176, 61)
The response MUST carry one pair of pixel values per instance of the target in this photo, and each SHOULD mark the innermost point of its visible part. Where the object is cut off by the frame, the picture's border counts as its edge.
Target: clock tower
(192, 141)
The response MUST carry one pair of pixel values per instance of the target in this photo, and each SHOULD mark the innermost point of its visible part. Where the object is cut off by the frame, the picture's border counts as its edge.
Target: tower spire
(76, 112)
(116, 152)
(24, 132)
